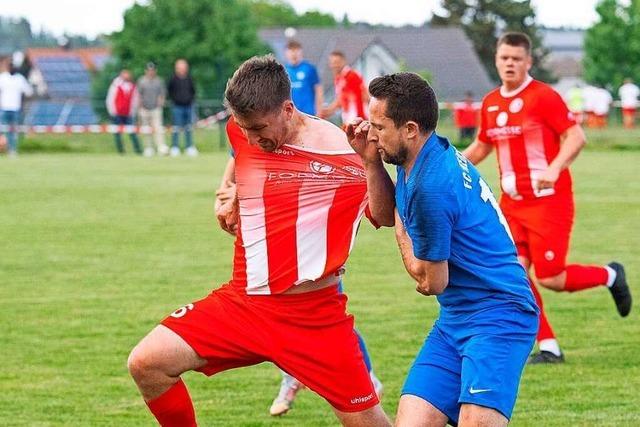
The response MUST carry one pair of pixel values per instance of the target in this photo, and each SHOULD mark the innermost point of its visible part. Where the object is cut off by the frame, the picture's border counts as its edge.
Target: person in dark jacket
(182, 93)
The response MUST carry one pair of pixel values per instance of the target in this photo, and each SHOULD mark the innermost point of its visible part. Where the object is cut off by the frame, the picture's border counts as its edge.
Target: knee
(140, 363)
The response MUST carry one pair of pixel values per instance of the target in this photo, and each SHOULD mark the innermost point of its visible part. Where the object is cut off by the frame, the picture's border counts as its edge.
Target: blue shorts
(476, 359)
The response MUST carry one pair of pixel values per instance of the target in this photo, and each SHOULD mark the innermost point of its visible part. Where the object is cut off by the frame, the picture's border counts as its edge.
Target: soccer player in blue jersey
(456, 245)
(306, 90)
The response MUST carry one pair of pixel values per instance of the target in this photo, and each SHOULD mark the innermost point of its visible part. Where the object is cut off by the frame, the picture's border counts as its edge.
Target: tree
(484, 20)
(278, 13)
(612, 45)
(214, 36)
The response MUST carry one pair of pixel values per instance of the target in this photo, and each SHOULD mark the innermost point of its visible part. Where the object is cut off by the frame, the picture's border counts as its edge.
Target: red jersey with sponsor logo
(299, 213)
(525, 127)
(349, 87)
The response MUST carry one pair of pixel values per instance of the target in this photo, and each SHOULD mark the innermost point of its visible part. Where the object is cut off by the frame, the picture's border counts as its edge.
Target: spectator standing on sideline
(629, 93)
(152, 95)
(121, 103)
(13, 86)
(601, 104)
(465, 115)
(182, 93)
(306, 90)
(351, 93)
(575, 102)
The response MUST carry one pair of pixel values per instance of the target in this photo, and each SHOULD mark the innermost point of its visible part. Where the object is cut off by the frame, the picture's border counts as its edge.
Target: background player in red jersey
(537, 138)
(301, 192)
(351, 93)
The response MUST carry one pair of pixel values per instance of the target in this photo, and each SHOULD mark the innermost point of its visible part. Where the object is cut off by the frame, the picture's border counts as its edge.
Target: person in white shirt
(629, 93)
(13, 86)
(601, 103)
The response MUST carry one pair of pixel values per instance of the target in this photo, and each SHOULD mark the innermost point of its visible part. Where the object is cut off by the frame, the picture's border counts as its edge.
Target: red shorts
(308, 335)
(541, 230)
(628, 111)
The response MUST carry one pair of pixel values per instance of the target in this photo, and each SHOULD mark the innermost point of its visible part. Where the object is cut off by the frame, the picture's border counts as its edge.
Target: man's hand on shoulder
(357, 131)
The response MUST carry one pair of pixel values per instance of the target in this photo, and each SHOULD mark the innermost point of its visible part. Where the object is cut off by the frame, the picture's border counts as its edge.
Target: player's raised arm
(380, 188)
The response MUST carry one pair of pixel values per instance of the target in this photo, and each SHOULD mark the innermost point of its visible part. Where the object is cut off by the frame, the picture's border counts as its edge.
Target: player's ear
(412, 129)
(288, 108)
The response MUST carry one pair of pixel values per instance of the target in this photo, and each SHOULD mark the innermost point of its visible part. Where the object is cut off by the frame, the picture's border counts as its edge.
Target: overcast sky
(92, 17)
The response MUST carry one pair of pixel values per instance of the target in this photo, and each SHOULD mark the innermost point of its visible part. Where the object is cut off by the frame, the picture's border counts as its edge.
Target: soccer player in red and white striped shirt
(537, 138)
(301, 192)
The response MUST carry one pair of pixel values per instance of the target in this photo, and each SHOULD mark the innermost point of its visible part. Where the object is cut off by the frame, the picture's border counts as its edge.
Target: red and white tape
(58, 129)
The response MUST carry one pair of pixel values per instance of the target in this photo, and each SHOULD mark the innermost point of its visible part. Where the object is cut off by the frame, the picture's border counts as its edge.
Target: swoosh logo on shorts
(478, 390)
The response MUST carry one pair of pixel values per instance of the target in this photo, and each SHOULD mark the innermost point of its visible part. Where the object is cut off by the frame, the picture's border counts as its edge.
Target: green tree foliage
(214, 36)
(278, 13)
(612, 45)
(484, 20)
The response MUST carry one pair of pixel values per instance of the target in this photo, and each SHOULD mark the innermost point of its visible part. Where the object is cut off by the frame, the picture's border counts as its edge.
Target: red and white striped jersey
(299, 213)
(525, 126)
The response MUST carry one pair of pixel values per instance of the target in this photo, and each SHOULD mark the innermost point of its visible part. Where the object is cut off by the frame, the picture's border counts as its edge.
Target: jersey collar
(509, 94)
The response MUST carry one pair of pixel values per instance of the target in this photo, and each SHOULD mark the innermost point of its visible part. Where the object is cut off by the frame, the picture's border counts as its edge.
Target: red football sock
(581, 277)
(173, 408)
(544, 329)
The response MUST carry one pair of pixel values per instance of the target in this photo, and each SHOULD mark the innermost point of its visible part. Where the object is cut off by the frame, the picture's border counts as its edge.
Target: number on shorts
(182, 311)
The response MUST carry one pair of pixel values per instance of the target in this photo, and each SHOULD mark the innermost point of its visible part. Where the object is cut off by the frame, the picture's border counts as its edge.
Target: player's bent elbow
(430, 288)
(386, 221)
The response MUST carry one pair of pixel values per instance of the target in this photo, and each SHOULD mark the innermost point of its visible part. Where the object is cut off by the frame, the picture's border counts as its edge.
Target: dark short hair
(294, 44)
(517, 39)
(338, 53)
(260, 85)
(409, 98)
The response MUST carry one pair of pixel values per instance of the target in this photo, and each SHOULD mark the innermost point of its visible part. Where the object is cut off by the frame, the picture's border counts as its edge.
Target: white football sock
(551, 345)
(612, 276)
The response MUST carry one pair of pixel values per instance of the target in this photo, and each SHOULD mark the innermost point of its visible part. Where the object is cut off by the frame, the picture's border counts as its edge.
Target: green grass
(97, 248)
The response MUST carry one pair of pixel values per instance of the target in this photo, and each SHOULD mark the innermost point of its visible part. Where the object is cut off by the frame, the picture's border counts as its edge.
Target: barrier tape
(145, 130)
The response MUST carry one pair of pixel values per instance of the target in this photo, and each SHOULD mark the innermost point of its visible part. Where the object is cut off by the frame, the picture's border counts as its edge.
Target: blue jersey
(304, 78)
(450, 214)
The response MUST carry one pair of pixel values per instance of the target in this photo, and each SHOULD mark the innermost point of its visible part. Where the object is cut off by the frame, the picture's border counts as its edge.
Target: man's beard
(399, 158)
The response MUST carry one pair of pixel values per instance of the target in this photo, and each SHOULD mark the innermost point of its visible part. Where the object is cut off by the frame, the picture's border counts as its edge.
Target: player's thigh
(493, 362)
(414, 411)
(224, 329)
(374, 417)
(434, 376)
(480, 416)
(165, 351)
(327, 359)
(549, 237)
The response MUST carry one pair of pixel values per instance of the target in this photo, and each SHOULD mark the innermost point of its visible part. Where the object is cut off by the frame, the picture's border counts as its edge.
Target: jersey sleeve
(482, 133)
(431, 223)
(556, 114)
(236, 137)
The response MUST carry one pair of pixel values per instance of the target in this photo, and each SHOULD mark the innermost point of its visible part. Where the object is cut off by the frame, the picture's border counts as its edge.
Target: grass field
(97, 248)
